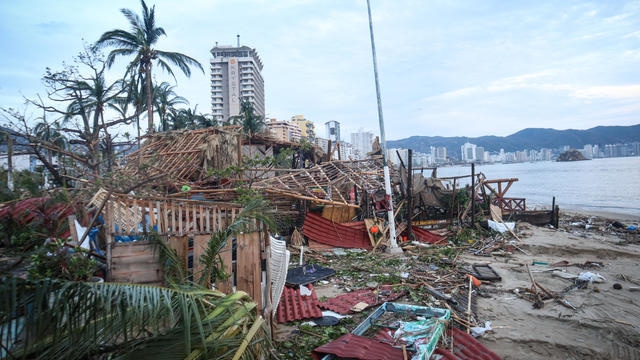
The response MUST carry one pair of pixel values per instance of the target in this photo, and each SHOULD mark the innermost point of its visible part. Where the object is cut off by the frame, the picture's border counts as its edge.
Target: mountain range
(530, 138)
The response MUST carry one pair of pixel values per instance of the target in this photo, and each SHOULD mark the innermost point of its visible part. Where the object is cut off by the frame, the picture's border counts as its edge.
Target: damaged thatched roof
(186, 155)
(329, 181)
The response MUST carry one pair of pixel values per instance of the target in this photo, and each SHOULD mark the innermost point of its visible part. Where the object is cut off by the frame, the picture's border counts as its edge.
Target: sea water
(609, 185)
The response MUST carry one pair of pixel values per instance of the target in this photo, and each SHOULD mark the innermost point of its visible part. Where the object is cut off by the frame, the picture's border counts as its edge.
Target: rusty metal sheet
(327, 232)
(357, 347)
(342, 304)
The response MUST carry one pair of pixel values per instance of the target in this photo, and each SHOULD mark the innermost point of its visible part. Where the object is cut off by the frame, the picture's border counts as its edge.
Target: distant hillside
(532, 138)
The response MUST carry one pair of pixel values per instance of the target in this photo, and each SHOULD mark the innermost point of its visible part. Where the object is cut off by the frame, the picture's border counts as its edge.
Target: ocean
(608, 185)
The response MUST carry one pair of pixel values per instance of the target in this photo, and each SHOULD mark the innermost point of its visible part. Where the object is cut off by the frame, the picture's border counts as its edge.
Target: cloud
(542, 81)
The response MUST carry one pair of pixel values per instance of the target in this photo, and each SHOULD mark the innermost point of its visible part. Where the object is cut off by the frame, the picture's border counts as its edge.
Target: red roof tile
(343, 304)
(466, 347)
(293, 306)
(357, 347)
(327, 232)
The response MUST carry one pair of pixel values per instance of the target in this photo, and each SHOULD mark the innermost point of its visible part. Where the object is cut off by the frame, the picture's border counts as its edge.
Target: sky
(447, 67)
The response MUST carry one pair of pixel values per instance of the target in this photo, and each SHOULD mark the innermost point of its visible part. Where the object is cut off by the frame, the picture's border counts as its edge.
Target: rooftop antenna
(393, 248)
(238, 36)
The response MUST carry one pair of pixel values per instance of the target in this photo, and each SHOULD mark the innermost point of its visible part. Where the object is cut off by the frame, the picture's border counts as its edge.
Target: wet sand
(606, 322)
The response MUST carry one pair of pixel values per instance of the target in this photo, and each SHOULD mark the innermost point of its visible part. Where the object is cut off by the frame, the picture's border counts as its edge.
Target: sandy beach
(606, 322)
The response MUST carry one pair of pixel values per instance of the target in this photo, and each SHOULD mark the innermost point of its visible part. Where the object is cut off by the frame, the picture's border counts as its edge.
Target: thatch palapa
(185, 155)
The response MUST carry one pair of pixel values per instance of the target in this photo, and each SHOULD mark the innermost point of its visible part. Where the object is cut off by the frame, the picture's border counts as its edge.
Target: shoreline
(605, 214)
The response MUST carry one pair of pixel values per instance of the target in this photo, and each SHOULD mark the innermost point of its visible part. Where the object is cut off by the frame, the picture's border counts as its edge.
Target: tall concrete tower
(235, 77)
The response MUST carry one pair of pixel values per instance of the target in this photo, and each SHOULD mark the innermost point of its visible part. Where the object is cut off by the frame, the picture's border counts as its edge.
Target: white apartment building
(235, 77)
(362, 141)
(468, 152)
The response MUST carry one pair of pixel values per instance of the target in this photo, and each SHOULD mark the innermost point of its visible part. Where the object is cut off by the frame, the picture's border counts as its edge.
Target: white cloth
(279, 265)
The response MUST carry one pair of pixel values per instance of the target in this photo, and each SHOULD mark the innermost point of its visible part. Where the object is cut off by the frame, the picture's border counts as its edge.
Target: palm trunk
(149, 100)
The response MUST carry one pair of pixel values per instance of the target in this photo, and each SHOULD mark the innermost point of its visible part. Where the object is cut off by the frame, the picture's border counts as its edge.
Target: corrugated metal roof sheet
(426, 236)
(466, 347)
(39, 209)
(357, 347)
(327, 232)
(343, 304)
(294, 306)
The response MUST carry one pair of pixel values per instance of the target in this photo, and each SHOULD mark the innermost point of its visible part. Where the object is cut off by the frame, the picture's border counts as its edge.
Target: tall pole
(393, 248)
(10, 162)
(409, 193)
(473, 194)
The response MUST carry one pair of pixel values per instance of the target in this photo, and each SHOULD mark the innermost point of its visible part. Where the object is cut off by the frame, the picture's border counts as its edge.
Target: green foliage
(298, 346)
(26, 184)
(254, 210)
(461, 199)
(78, 320)
(53, 260)
(251, 122)
(45, 224)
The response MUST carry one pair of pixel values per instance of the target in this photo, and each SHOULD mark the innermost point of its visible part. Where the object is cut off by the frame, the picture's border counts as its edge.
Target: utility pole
(9, 161)
(393, 247)
(409, 193)
(473, 194)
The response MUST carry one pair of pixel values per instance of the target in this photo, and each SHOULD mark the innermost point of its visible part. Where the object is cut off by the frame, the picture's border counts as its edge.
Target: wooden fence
(179, 222)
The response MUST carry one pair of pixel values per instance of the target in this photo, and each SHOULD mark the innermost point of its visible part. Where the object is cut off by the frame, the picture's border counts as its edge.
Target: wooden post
(553, 211)
(469, 305)
(409, 194)
(329, 152)
(453, 200)
(473, 194)
(72, 228)
(108, 221)
(557, 215)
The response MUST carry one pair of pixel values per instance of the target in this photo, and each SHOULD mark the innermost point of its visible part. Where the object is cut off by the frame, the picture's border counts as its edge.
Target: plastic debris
(480, 330)
(590, 277)
(501, 227)
(304, 291)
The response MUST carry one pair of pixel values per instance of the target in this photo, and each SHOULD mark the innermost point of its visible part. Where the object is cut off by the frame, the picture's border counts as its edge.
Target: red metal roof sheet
(343, 304)
(328, 232)
(39, 209)
(357, 347)
(426, 236)
(293, 306)
(466, 347)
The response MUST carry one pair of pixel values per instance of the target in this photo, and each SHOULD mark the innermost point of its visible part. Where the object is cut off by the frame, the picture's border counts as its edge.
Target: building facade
(236, 76)
(362, 141)
(307, 127)
(284, 130)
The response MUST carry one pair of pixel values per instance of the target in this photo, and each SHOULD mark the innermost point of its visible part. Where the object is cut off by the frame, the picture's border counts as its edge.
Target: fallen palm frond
(53, 319)
(254, 210)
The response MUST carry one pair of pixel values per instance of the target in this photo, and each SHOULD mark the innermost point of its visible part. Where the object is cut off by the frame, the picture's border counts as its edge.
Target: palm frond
(118, 38)
(133, 18)
(73, 320)
(183, 61)
(255, 210)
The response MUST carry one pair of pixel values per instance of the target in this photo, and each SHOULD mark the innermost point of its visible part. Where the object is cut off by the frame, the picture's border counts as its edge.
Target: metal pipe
(393, 248)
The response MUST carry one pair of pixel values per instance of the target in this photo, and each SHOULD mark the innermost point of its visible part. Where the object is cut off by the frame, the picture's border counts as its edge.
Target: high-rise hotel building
(235, 76)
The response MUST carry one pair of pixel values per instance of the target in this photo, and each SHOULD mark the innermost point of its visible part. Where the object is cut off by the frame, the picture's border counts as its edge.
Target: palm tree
(57, 319)
(98, 96)
(251, 122)
(165, 99)
(190, 119)
(140, 42)
(51, 134)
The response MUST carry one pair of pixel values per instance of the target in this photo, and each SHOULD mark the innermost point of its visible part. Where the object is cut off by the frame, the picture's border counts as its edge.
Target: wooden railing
(129, 215)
